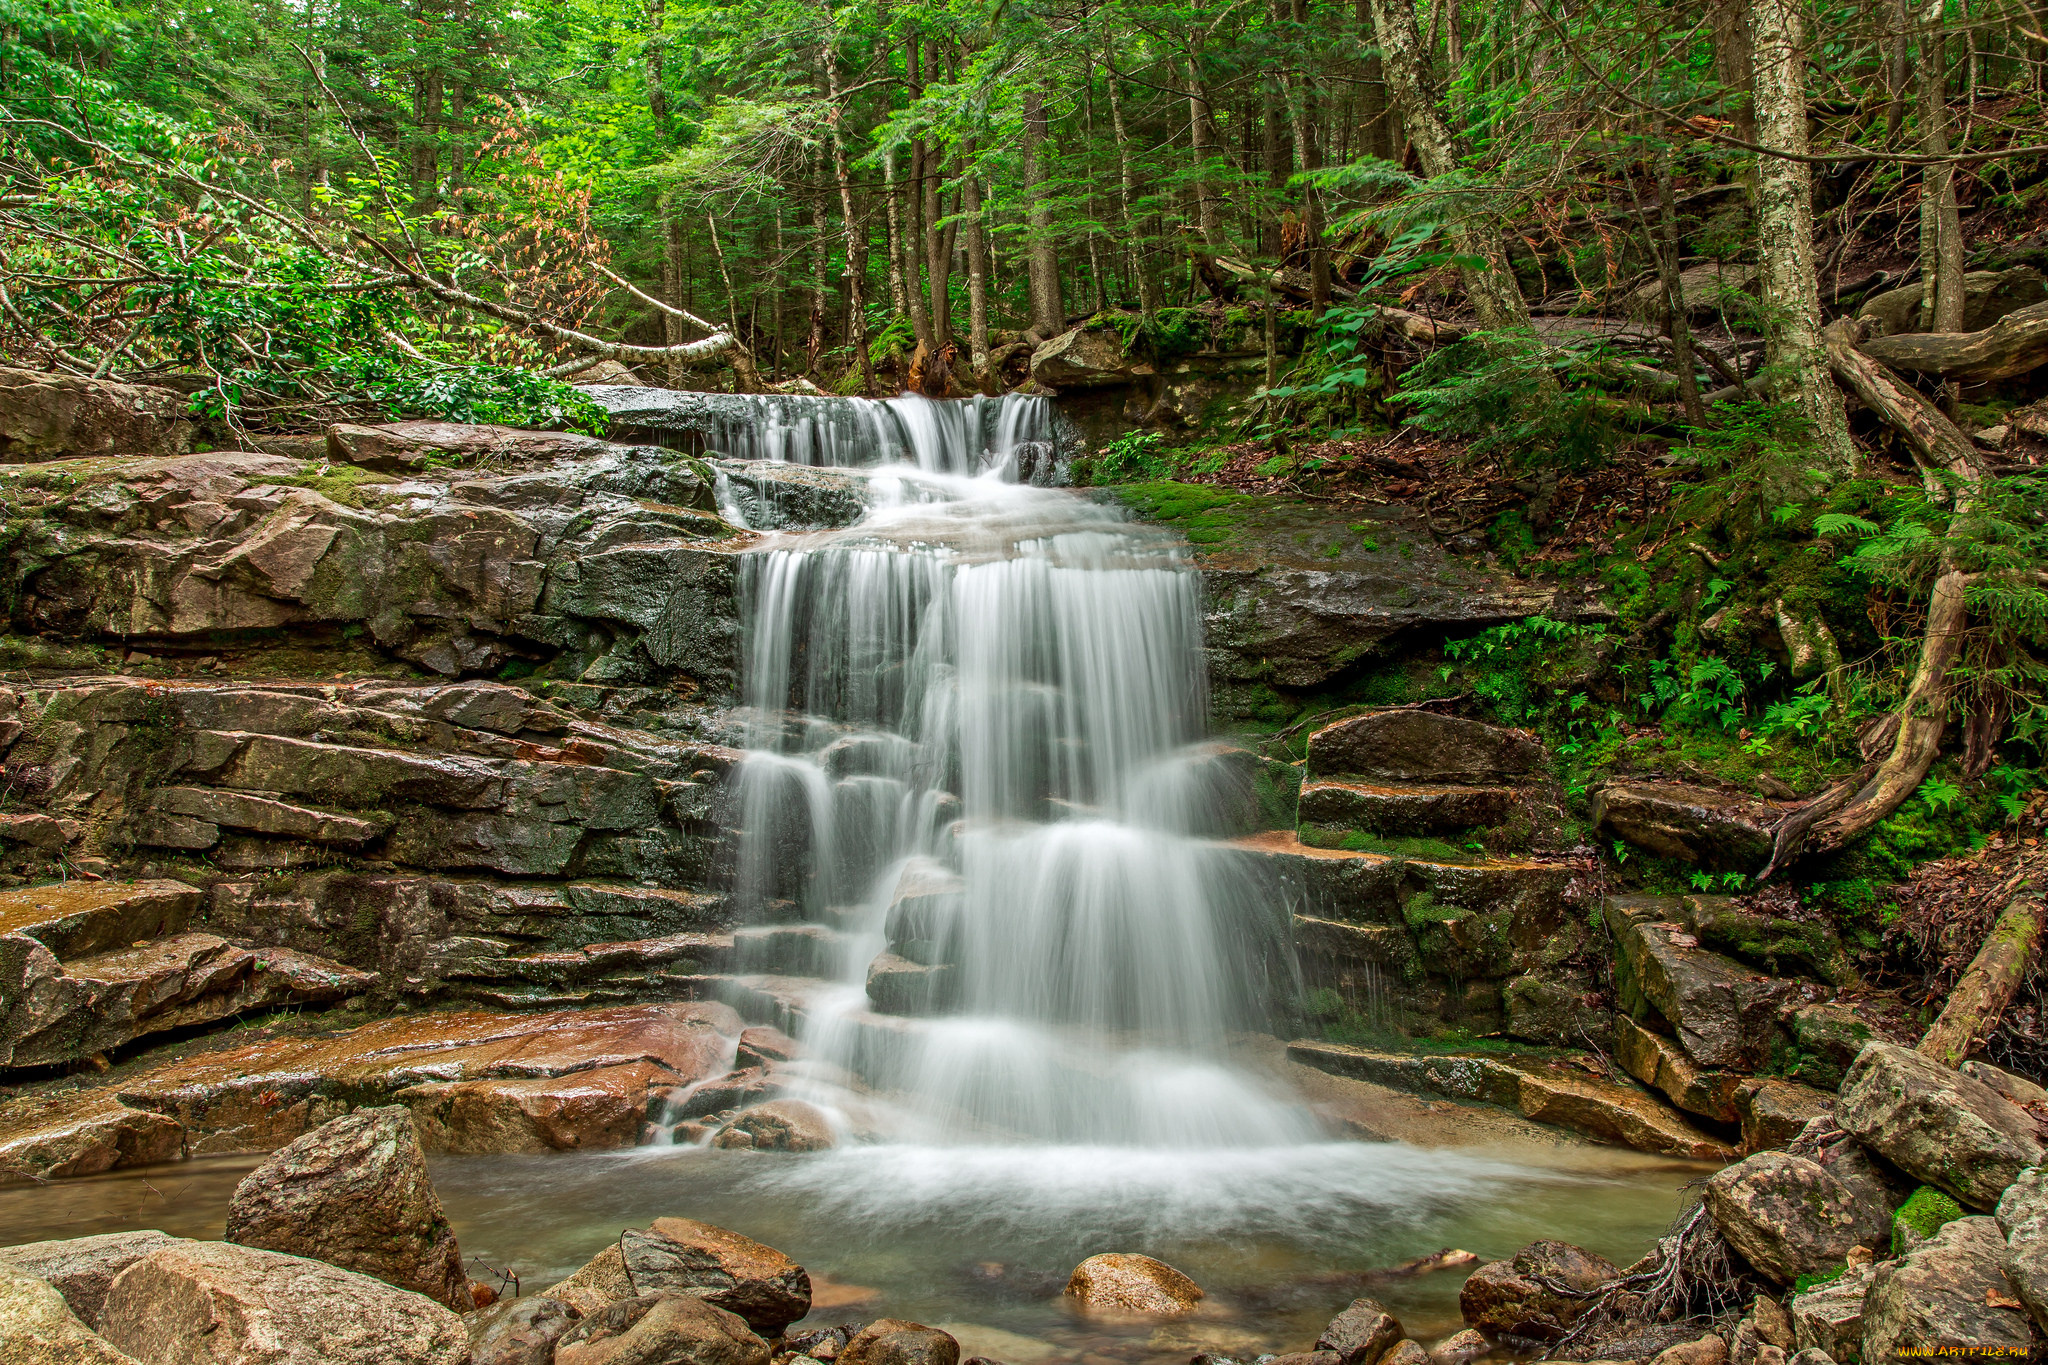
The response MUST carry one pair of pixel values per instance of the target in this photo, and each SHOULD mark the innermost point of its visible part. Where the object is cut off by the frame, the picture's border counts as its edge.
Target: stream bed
(980, 1239)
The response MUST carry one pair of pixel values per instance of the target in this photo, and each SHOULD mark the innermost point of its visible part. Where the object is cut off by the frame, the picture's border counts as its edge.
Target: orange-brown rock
(660, 1328)
(736, 1273)
(44, 1138)
(779, 1126)
(354, 1193)
(892, 1341)
(582, 1111)
(1124, 1282)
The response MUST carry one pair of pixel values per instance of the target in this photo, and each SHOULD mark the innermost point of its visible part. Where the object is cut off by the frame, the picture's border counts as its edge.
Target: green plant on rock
(1923, 1214)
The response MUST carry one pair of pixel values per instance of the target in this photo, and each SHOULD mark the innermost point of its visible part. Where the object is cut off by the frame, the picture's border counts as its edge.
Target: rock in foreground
(37, 1328)
(726, 1270)
(661, 1328)
(1937, 1125)
(1948, 1291)
(1788, 1216)
(215, 1303)
(1536, 1293)
(891, 1341)
(1124, 1282)
(83, 1268)
(354, 1193)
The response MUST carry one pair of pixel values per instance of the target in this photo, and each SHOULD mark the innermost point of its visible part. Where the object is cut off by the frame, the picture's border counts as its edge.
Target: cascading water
(981, 717)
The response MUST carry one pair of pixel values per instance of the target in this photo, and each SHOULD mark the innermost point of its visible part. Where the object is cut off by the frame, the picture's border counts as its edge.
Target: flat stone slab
(1605, 1110)
(1421, 746)
(51, 1138)
(1419, 808)
(1720, 830)
(74, 918)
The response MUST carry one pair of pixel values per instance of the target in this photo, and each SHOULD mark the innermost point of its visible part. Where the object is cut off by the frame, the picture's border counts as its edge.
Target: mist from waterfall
(977, 751)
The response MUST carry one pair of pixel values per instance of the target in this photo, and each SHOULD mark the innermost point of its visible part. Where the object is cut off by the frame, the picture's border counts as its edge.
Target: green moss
(1817, 1278)
(1205, 514)
(1925, 1211)
(338, 483)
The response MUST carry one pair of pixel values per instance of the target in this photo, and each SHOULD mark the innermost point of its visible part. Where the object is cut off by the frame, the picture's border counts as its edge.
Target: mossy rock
(1923, 1214)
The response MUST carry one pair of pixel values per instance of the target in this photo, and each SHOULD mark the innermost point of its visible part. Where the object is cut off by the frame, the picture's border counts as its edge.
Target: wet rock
(593, 1110)
(896, 985)
(661, 1327)
(1556, 1009)
(1610, 1111)
(1829, 1317)
(681, 1255)
(45, 1138)
(1421, 746)
(1937, 1125)
(1363, 1333)
(1773, 1112)
(1721, 1011)
(1785, 947)
(1515, 1297)
(2023, 1218)
(1829, 1038)
(1081, 358)
(261, 1097)
(891, 1341)
(355, 1193)
(978, 1342)
(1714, 829)
(1658, 1062)
(1406, 1352)
(58, 416)
(1948, 1290)
(780, 1126)
(1460, 1347)
(38, 1328)
(764, 1047)
(80, 918)
(405, 447)
(82, 1268)
(215, 1303)
(601, 1281)
(519, 1331)
(1124, 1282)
(1787, 1216)
(1413, 809)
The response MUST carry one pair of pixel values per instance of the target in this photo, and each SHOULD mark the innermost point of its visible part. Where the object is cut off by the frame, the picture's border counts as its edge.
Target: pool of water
(981, 1239)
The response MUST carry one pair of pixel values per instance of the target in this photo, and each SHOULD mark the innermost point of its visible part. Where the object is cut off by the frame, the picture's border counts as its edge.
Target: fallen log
(2015, 344)
(1978, 1000)
(1937, 444)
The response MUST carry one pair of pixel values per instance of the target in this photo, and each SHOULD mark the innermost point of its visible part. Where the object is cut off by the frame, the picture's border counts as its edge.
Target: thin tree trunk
(1677, 325)
(1302, 113)
(1150, 300)
(1490, 284)
(1941, 230)
(821, 254)
(746, 378)
(1202, 145)
(1794, 351)
(1041, 256)
(856, 260)
(977, 269)
(1735, 63)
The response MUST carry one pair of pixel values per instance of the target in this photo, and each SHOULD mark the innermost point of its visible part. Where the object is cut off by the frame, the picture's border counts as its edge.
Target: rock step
(79, 918)
(1544, 1091)
(1406, 808)
(1405, 745)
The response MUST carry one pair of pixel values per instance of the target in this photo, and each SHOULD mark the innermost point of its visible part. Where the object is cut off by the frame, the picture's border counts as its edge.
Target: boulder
(1718, 830)
(1773, 1112)
(49, 1138)
(1722, 1012)
(780, 1126)
(1419, 808)
(1542, 1008)
(1788, 1217)
(1948, 1291)
(2023, 1218)
(1405, 1353)
(1937, 1125)
(1521, 1296)
(37, 1327)
(2018, 1089)
(1362, 1334)
(1988, 295)
(1124, 1282)
(1706, 1350)
(601, 1281)
(896, 985)
(408, 447)
(82, 1268)
(738, 1274)
(59, 416)
(891, 1341)
(673, 1329)
(216, 1303)
(1461, 1346)
(1829, 1317)
(1658, 1062)
(593, 1110)
(1422, 746)
(1082, 358)
(355, 1193)
(520, 1331)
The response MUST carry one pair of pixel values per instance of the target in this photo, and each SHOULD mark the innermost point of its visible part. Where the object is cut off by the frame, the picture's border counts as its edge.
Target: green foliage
(1510, 666)
(1206, 515)
(1516, 398)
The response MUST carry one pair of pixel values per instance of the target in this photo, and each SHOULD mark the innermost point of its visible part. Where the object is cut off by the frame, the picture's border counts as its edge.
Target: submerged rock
(1937, 1125)
(1124, 1282)
(355, 1193)
(1949, 1290)
(37, 1327)
(732, 1272)
(661, 1327)
(215, 1303)
(83, 1268)
(779, 1126)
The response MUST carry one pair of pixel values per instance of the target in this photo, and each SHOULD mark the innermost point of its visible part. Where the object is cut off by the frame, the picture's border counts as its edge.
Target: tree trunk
(977, 269)
(1491, 285)
(856, 261)
(1202, 142)
(1734, 64)
(1791, 286)
(1041, 256)
(1936, 444)
(821, 255)
(1302, 113)
(1941, 228)
(1975, 1003)
(1664, 249)
(672, 264)
(1149, 299)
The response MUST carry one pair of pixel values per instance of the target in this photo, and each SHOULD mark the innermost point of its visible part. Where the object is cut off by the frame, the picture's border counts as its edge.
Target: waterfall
(977, 751)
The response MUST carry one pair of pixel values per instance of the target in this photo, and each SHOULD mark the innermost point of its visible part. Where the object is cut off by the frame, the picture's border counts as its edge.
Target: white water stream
(978, 752)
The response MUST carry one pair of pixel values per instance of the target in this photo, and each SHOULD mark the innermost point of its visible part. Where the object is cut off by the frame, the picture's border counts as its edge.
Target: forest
(1736, 309)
